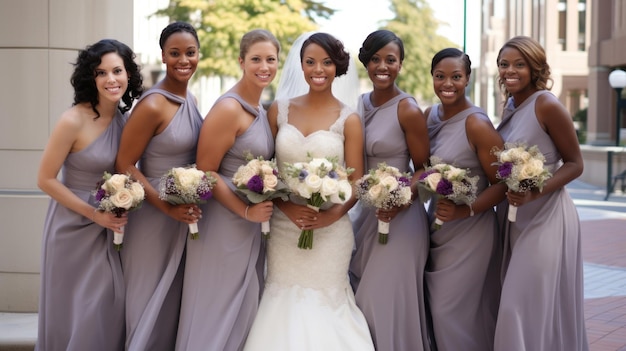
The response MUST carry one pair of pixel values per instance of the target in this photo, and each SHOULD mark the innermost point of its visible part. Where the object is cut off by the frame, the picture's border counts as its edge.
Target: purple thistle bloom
(404, 181)
(444, 187)
(100, 194)
(303, 174)
(504, 170)
(205, 195)
(255, 184)
(332, 174)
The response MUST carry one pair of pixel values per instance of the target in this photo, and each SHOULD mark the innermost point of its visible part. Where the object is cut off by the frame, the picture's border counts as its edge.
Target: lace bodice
(292, 146)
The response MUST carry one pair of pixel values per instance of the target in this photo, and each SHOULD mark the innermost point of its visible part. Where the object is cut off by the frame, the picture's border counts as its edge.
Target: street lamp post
(617, 80)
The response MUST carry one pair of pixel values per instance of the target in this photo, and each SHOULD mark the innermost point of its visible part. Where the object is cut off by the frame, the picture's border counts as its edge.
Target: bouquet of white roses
(258, 180)
(187, 185)
(450, 182)
(522, 169)
(320, 180)
(118, 193)
(384, 187)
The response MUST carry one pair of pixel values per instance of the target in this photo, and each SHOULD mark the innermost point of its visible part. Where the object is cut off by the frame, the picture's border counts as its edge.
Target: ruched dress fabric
(81, 303)
(154, 243)
(462, 273)
(541, 307)
(224, 266)
(389, 279)
(308, 303)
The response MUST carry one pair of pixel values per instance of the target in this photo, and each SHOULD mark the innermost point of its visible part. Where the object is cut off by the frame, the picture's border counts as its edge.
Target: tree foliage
(221, 24)
(415, 24)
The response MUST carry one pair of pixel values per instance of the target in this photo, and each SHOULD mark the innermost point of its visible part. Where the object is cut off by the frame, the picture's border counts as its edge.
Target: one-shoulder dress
(308, 303)
(154, 243)
(224, 266)
(81, 303)
(389, 279)
(462, 273)
(542, 300)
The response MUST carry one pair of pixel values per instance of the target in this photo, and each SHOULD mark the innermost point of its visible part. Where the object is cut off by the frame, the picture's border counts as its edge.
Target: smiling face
(260, 63)
(319, 70)
(514, 73)
(111, 78)
(450, 79)
(180, 56)
(384, 66)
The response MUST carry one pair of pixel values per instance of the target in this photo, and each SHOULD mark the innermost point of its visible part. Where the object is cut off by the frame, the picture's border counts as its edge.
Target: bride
(308, 303)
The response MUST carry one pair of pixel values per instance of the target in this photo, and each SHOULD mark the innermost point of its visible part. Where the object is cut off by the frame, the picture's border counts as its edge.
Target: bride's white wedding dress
(307, 302)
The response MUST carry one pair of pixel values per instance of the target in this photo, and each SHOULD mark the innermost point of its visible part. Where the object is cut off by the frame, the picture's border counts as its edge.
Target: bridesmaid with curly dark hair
(81, 304)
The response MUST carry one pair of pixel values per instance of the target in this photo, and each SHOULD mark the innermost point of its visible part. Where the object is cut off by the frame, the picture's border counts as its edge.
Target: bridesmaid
(541, 306)
(389, 279)
(462, 272)
(225, 265)
(82, 287)
(161, 133)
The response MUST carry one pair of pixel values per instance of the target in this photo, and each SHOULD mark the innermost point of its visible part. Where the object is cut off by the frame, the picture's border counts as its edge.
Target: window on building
(582, 25)
(562, 8)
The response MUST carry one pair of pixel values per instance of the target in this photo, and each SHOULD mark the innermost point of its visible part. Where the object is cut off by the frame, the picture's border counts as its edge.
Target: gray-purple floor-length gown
(154, 243)
(224, 266)
(541, 307)
(389, 279)
(462, 273)
(81, 302)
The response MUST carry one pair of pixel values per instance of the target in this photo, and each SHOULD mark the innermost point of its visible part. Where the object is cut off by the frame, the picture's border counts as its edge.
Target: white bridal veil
(292, 83)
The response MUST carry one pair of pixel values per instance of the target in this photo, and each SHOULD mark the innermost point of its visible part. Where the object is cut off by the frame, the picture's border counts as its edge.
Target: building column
(39, 41)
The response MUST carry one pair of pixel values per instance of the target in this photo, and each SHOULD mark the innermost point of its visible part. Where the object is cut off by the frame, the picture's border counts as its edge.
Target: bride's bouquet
(384, 187)
(319, 181)
(450, 182)
(117, 194)
(522, 169)
(187, 185)
(258, 180)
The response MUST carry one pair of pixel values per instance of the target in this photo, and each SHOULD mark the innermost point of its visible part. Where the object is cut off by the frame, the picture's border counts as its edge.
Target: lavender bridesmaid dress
(81, 304)
(541, 308)
(224, 268)
(389, 279)
(154, 243)
(462, 274)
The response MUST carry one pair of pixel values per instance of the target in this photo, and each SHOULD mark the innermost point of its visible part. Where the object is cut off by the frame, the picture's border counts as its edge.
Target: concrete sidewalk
(603, 225)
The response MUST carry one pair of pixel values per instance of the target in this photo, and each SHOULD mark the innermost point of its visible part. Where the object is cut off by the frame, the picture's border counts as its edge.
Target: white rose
(531, 169)
(317, 164)
(375, 191)
(116, 182)
(122, 199)
(137, 191)
(329, 187)
(432, 180)
(313, 182)
(303, 190)
(254, 164)
(405, 194)
(269, 182)
(455, 173)
(189, 178)
(344, 190)
(243, 175)
(389, 182)
(266, 169)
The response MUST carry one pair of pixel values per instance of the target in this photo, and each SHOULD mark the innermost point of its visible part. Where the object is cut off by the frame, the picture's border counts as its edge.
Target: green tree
(415, 23)
(221, 24)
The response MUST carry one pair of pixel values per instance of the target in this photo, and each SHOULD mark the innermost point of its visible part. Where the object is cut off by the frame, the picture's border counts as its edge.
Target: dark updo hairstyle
(454, 53)
(376, 41)
(333, 47)
(535, 57)
(84, 77)
(177, 27)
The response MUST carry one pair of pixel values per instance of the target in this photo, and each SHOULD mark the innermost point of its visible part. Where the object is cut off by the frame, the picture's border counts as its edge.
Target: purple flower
(255, 184)
(427, 173)
(100, 194)
(332, 174)
(504, 170)
(205, 195)
(444, 187)
(404, 181)
(303, 174)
